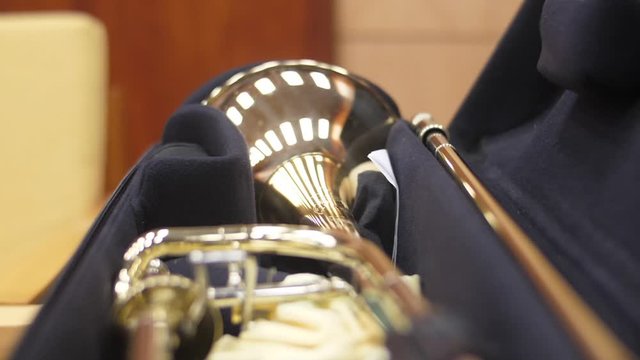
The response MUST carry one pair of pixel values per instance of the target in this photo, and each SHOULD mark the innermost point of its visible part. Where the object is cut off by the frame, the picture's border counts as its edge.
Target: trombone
(308, 128)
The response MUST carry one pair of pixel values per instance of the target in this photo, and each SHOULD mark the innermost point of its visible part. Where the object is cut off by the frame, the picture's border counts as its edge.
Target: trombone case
(554, 138)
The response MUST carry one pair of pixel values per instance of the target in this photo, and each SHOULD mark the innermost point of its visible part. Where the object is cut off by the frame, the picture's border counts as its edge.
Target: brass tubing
(298, 119)
(593, 337)
(150, 340)
(337, 247)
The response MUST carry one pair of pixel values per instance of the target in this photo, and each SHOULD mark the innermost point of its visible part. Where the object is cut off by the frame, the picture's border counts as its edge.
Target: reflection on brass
(306, 124)
(593, 337)
(165, 305)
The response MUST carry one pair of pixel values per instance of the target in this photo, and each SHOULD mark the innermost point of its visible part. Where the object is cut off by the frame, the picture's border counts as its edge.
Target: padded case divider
(191, 179)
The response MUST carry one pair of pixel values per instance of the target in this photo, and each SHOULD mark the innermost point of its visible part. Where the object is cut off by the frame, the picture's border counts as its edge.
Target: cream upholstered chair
(52, 131)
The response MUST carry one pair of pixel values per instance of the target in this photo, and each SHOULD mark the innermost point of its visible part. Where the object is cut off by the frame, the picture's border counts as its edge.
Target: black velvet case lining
(189, 180)
(584, 212)
(567, 171)
(463, 267)
(375, 209)
(591, 46)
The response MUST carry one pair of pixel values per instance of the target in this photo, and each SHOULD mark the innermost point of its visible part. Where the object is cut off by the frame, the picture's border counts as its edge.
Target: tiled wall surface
(425, 53)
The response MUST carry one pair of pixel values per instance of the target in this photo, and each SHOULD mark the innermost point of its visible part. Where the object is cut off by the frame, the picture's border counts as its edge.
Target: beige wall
(425, 53)
(53, 76)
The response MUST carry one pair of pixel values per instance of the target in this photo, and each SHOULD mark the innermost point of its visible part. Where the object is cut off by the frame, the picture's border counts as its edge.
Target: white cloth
(336, 329)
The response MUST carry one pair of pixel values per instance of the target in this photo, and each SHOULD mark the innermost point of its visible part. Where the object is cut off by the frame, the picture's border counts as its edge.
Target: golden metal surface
(155, 307)
(378, 276)
(306, 124)
(593, 337)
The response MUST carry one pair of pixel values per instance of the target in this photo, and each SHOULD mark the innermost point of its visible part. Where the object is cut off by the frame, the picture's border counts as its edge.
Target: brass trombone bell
(307, 125)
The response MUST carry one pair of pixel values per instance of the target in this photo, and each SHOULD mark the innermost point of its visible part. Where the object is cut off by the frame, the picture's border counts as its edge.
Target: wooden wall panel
(425, 53)
(160, 51)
